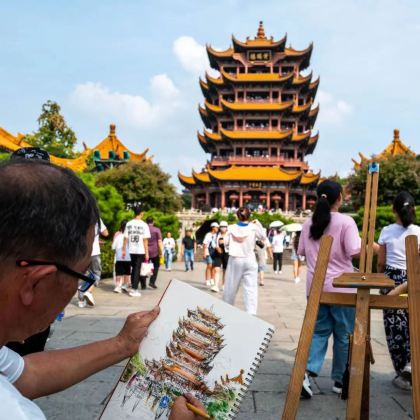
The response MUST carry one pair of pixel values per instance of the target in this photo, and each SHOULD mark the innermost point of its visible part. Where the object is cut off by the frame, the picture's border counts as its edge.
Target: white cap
(223, 223)
(214, 224)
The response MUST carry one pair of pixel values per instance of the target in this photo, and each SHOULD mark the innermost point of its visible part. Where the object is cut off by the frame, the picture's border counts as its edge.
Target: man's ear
(32, 277)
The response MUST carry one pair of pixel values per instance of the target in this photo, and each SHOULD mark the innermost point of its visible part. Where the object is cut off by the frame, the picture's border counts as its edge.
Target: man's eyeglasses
(88, 279)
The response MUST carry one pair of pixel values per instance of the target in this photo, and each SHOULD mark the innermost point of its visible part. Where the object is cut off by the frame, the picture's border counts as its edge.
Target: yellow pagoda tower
(258, 116)
(395, 148)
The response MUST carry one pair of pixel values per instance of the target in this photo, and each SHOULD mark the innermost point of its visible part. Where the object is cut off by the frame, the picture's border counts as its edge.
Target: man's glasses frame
(88, 279)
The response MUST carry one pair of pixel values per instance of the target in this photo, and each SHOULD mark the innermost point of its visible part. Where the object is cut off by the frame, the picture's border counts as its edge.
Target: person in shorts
(261, 255)
(221, 257)
(297, 259)
(122, 264)
(209, 244)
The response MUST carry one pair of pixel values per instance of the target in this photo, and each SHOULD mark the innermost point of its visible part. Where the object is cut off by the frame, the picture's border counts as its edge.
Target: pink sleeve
(301, 246)
(351, 239)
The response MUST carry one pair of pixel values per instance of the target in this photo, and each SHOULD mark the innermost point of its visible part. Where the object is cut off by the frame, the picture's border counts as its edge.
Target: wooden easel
(361, 352)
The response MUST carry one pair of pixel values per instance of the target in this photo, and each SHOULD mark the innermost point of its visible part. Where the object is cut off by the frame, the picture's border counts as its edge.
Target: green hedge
(384, 217)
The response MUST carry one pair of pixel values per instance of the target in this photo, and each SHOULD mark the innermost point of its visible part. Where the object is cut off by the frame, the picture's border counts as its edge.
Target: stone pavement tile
(247, 404)
(270, 382)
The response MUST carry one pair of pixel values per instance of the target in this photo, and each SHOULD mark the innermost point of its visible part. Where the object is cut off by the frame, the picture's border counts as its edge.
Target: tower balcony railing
(258, 160)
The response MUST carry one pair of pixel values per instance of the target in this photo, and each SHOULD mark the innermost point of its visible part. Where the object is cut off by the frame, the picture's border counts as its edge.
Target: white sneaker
(223, 288)
(82, 304)
(306, 391)
(89, 298)
(215, 289)
(280, 272)
(401, 383)
(208, 283)
(117, 290)
(125, 288)
(135, 293)
(276, 272)
(406, 373)
(297, 280)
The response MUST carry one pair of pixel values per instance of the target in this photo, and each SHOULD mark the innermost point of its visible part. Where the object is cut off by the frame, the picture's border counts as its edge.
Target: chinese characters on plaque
(259, 56)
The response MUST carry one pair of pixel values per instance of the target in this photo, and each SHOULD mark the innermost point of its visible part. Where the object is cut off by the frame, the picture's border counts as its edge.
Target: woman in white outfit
(242, 268)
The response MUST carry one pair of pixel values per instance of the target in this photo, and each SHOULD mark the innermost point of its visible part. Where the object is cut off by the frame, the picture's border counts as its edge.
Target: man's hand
(135, 328)
(181, 412)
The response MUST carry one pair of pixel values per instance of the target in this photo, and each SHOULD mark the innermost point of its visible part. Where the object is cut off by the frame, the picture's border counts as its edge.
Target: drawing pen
(197, 411)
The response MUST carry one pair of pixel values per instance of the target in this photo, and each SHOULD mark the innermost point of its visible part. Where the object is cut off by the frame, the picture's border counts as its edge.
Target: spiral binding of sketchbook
(252, 371)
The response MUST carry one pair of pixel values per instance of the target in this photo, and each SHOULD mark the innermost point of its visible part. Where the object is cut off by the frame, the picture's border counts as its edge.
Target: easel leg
(302, 353)
(364, 411)
(413, 275)
(358, 357)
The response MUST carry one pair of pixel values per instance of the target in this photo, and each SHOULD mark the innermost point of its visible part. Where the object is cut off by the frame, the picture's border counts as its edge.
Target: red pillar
(268, 200)
(223, 199)
(193, 201)
(241, 198)
(286, 200)
(304, 199)
(207, 198)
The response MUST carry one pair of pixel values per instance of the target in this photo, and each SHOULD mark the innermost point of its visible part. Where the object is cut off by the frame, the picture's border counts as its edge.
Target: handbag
(146, 269)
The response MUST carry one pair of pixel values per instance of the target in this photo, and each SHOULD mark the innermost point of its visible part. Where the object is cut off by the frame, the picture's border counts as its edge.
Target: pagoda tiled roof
(186, 180)
(254, 173)
(256, 77)
(256, 134)
(201, 176)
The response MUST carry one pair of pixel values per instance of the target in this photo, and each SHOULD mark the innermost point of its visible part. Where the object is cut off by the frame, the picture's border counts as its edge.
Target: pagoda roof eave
(214, 81)
(254, 173)
(297, 109)
(304, 54)
(212, 136)
(187, 181)
(201, 177)
(313, 141)
(256, 134)
(204, 116)
(215, 55)
(215, 109)
(309, 178)
(298, 81)
(258, 43)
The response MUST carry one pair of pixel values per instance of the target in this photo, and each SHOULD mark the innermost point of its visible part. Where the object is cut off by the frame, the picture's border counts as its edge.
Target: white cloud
(332, 111)
(192, 56)
(93, 98)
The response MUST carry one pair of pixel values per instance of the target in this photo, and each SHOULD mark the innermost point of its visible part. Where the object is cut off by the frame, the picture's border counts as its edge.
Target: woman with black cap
(332, 319)
(392, 262)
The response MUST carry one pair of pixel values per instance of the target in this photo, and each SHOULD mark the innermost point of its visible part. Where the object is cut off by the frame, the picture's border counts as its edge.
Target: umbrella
(292, 227)
(203, 229)
(276, 224)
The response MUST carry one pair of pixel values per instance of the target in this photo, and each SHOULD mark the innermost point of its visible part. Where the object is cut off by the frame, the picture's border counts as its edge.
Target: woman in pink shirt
(332, 320)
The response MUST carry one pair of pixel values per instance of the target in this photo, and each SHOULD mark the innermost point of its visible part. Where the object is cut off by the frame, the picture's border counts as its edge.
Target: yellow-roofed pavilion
(108, 153)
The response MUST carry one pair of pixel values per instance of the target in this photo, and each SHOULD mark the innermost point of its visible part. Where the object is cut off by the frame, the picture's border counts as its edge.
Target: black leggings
(136, 262)
(156, 264)
(277, 261)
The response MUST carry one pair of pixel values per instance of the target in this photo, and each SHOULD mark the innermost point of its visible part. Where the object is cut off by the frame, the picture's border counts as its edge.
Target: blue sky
(137, 64)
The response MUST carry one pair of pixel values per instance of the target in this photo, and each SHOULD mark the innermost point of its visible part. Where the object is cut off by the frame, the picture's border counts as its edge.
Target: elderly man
(47, 219)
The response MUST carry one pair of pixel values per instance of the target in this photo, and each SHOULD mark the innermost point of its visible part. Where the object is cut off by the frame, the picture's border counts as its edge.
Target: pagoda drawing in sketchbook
(259, 115)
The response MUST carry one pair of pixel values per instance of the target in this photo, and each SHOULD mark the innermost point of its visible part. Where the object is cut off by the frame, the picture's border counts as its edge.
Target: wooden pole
(413, 278)
(308, 327)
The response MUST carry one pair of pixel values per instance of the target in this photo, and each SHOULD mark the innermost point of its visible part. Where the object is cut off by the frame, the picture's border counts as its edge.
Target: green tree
(4, 155)
(110, 202)
(53, 134)
(143, 182)
(165, 222)
(397, 173)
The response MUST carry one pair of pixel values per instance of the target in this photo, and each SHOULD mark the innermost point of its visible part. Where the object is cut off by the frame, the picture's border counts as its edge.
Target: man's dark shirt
(188, 242)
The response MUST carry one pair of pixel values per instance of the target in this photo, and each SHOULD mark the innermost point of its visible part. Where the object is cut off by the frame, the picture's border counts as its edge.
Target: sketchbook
(199, 345)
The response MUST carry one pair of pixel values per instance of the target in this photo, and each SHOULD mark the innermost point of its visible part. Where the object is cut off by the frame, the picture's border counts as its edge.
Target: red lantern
(276, 197)
(247, 197)
(263, 197)
(233, 197)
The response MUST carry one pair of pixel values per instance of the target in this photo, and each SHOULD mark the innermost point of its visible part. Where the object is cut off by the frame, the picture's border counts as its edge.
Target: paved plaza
(281, 303)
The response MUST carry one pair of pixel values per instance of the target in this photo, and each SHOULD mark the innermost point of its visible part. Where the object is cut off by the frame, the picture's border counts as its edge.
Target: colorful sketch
(189, 355)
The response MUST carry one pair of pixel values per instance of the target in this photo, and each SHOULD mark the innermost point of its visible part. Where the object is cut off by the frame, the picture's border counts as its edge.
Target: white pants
(242, 271)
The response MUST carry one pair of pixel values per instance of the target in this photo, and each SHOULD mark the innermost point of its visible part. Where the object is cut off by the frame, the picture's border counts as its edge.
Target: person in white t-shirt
(122, 265)
(392, 262)
(95, 265)
(277, 246)
(209, 245)
(168, 250)
(39, 274)
(136, 235)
